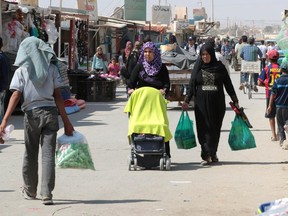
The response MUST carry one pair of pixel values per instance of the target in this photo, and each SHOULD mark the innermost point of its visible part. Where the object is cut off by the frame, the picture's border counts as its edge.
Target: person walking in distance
(38, 81)
(191, 46)
(263, 49)
(5, 68)
(266, 78)
(226, 51)
(250, 53)
(238, 49)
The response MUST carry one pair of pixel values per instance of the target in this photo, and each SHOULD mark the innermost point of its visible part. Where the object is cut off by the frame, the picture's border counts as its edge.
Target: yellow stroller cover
(148, 115)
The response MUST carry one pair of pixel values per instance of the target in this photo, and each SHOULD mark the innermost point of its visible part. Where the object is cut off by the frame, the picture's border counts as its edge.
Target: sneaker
(27, 195)
(241, 87)
(47, 201)
(255, 88)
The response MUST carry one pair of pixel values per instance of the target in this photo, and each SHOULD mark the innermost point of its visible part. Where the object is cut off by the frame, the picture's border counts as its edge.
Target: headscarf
(128, 49)
(137, 46)
(213, 65)
(151, 68)
(102, 55)
(36, 56)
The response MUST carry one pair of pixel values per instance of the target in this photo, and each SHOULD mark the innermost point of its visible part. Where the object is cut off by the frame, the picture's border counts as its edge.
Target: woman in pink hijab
(127, 51)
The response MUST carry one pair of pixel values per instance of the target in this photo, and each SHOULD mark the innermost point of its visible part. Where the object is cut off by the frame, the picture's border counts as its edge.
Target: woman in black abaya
(206, 85)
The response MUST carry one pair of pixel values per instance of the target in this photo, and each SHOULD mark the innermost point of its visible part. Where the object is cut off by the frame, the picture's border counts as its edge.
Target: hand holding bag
(184, 134)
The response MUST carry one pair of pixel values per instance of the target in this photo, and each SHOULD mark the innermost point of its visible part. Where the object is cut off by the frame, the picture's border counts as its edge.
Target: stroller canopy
(148, 114)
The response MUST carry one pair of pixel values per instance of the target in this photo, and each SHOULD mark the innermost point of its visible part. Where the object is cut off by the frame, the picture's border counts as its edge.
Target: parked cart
(179, 63)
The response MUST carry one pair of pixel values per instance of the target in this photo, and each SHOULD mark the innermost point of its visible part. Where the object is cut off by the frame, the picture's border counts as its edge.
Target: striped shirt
(250, 53)
(280, 88)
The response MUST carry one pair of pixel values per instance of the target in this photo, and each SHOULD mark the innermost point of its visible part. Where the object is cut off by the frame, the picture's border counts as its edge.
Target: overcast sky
(257, 12)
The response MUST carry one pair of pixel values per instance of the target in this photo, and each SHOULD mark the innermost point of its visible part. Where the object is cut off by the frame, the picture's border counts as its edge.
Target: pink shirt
(113, 69)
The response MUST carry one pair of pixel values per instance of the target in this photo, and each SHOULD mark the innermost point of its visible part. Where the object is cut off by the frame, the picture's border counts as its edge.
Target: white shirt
(35, 97)
(263, 49)
(221, 58)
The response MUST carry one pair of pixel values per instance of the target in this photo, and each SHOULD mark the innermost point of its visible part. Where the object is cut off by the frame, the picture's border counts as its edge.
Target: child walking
(279, 94)
(266, 78)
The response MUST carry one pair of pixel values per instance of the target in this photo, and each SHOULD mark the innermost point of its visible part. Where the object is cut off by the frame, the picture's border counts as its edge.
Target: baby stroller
(148, 129)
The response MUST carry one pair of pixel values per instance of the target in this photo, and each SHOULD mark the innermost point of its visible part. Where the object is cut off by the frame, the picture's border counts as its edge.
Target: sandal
(206, 162)
(274, 139)
(215, 159)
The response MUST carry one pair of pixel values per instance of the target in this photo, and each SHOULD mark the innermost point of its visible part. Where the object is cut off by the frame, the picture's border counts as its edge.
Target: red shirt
(268, 76)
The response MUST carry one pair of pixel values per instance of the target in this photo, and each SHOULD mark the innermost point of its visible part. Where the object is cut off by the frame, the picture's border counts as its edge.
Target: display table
(90, 89)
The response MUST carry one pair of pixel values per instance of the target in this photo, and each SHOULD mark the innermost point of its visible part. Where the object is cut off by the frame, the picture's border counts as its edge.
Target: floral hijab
(151, 68)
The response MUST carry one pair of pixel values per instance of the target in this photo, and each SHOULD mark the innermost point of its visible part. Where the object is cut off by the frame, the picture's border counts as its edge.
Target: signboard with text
(180, 25)
(135, 10)
(161, 14)
(90, 6)
(33, 3)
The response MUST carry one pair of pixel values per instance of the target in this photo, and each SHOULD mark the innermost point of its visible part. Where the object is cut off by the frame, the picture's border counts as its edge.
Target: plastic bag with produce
(73, 152)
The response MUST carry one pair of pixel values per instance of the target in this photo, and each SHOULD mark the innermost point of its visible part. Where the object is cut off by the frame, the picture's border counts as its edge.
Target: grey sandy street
(236, 186)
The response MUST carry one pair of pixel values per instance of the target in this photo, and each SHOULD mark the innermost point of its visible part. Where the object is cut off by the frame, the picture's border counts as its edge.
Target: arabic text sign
(161, 14)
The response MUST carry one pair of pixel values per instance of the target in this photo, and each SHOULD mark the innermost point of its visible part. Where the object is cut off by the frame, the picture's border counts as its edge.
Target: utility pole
(212, 8)
(59, 38)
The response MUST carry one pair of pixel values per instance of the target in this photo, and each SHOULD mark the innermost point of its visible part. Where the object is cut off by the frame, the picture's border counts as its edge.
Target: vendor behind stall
(99, 61)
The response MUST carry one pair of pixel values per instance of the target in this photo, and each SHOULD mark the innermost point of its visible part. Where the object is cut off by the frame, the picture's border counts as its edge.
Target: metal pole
(150, 30)
(59, 39)
(212, 10)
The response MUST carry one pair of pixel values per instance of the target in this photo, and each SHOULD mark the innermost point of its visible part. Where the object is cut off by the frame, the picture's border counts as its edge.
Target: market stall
(77, 48)
(71, 34)
(179, 63)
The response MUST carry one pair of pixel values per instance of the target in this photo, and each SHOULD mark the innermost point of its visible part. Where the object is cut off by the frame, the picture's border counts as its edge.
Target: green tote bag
(240, 137)
(184, 134)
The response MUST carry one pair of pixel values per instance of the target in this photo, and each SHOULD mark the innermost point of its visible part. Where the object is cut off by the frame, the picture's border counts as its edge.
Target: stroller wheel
(135, 164)
(161, 164)
(129, 161)
(168, 163)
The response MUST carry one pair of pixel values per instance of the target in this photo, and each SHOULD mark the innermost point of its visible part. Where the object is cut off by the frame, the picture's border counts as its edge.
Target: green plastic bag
(184, 134)
(240, 137)
(73, 152)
